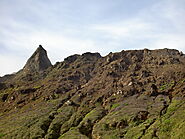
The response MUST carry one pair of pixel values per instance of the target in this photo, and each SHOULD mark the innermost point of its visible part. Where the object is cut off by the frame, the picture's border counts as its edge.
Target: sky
(66, 27)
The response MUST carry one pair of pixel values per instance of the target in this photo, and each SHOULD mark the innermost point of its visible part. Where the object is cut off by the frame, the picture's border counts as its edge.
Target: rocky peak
(91, 56)
(39, 61)
(71, 58)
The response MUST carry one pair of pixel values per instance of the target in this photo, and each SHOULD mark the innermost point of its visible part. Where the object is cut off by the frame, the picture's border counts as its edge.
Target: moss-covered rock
(86, 125)
(75, 119)
(64, 114)
(73, 134)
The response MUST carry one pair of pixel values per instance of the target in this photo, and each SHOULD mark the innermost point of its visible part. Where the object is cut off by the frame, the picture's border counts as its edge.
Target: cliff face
(129, 94)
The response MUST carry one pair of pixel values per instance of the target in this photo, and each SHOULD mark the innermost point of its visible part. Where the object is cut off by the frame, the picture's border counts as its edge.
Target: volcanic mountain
(133, 94)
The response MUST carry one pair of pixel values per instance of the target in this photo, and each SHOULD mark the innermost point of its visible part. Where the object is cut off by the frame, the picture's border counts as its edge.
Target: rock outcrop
(39, 61)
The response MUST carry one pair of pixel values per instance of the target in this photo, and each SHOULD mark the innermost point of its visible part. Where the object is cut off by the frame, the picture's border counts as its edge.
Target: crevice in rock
(164, 109)
(46, 124)
(86, 127)
(146, 128)
(154, 134)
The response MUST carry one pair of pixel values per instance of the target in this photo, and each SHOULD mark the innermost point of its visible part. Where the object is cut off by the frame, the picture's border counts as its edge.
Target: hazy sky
(66, 27)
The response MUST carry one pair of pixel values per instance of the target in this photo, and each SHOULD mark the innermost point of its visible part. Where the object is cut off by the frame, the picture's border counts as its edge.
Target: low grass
(115, 106)
(2, 135)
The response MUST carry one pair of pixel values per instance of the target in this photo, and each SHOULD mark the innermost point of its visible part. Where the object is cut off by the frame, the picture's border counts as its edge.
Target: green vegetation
(166, 86)
(59, 120)
(115, 106)
(183, 81)
(73, 134)
(2, 135)
(37, 87)
(171, 124)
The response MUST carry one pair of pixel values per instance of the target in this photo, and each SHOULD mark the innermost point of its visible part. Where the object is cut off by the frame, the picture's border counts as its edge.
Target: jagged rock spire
(39, 61)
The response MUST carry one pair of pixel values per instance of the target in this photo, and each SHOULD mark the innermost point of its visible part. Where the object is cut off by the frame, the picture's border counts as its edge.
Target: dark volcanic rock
(91, 56)
(2, 86)
(39, 61)
(72, 58)
(4, 97)
(27, 91)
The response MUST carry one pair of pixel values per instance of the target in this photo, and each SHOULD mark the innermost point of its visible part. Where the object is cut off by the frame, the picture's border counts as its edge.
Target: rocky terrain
(134, 94)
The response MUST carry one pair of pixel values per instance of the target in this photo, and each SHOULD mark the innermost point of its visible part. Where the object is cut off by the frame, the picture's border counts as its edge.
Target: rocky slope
(130, 94)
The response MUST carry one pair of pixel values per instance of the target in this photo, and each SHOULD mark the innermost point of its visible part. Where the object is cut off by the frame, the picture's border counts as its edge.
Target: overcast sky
(66, 27)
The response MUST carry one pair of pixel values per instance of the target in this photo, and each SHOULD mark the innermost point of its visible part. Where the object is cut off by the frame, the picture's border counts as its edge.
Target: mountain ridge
(128, 94)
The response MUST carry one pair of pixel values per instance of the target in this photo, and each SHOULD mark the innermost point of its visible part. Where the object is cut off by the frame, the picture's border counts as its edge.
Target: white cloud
(159, 26)
(124, 29)
(173, 41)
(10, 64)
